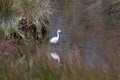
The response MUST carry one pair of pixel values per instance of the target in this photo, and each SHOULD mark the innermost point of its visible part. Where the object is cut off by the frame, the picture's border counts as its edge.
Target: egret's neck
(58, 35)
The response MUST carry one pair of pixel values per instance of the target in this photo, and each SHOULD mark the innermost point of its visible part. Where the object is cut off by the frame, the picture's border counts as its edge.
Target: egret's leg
(57, 43)
(55, 46)
(51, 45)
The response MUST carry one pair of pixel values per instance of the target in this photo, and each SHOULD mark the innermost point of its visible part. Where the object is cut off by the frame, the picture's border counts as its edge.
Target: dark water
(84, 24)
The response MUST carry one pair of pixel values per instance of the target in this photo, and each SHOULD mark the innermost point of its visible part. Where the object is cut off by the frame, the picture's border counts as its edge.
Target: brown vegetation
(91, 51)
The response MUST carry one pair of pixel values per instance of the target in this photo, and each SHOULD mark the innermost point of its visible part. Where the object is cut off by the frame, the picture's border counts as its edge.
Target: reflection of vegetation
(30, 28)
(112, 12)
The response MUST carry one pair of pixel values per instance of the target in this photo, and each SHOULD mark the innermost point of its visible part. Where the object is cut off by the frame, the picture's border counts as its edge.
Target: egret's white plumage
(54, 40)
(55, 56)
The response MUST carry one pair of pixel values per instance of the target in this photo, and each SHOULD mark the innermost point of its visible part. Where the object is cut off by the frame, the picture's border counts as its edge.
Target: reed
(35, 63)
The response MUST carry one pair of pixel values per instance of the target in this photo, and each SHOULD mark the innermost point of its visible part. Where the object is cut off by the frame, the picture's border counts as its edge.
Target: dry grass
(35, 11)
(35, 63)
(38, 8)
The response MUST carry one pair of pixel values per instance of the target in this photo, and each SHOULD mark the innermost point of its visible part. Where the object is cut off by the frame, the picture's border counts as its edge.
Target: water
(84, 26)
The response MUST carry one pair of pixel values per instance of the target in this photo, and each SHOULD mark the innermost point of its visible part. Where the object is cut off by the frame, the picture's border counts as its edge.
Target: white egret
(54, 40)
(55, 56)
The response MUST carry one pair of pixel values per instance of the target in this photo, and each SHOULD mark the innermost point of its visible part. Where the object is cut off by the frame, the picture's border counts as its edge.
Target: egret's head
(59, 30)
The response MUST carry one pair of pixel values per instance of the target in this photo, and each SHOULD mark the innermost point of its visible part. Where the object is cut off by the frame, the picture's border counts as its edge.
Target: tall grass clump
(27, 7)
(36, 12)
(34, 7)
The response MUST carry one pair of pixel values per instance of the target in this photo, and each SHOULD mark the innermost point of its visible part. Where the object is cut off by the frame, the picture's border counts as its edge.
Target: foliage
(36, 12)
(35, 63)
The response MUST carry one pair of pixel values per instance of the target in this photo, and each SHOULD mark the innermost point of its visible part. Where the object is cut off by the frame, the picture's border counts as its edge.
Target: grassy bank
(34, 63)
